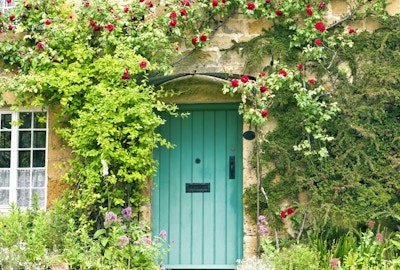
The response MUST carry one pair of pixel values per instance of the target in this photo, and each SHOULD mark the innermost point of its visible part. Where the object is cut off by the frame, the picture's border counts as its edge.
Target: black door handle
(231, 167)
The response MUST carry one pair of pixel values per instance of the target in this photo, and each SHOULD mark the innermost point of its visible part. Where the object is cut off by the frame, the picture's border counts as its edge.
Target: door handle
(232, 167)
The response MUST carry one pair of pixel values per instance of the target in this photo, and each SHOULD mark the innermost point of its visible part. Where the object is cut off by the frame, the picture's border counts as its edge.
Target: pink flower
(334, 263)
(322, 5)
(203, 38)
(351, 30)
(283, 214)
(282, 72)
(379, 238)
(309, 12)
(251, 6)
(318, 42)
(149, 4)
(290, 210)
(320, 26)
(87, 4)
(183, 12)
(123, 241)
(142, 64)
(194, 41)
(278, 12)
(126, 9)
(110, 27)
(214, 3)
(311, 81)
(172, 15)
(263, 89)
(125, 76)
(172, 23)
(40, 45)
(264, 113)
(47, 22)
(234, 83)
(371, 224)
(244, 79)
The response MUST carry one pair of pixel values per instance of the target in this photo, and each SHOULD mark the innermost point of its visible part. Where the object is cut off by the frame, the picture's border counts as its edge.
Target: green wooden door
(197, 194)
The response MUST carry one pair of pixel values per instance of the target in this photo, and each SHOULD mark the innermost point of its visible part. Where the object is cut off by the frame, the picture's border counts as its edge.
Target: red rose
(300, 66)
(251, 6)
(267, 1)
(40, 45)
(320, 26)
(278, 12)
(263, 89)
(282, 72)
(125, 76)
(27, 6)
(214, 3)
(172, 15)
(264, 113)
(194, 41)
(234, 83)
(290, 211)
(262, 74)
(47, 22)
(142, 64)
(308, 5)
(172, 23)
(92, 23)
(322, 5)
(318, 42)
(87, 4)
(283, 214)
(149, 4)
(309, 11)
(10, 27)
(96, 27)
(110, 27)
(311, 81)
(9, 1)
(203, 38)
(126, 9)
(351, 31)
(183, 12)
(244, 79)
(12, 18)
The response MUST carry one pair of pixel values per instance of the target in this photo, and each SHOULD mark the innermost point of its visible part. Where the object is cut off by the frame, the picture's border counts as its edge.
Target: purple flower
(146, 240)
(123, 241)
(163, 235)
(261, 218)
(111, 217)
(127, 212)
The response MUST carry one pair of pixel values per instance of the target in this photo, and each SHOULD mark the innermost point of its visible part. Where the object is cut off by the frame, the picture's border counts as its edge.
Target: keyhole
(197, 160)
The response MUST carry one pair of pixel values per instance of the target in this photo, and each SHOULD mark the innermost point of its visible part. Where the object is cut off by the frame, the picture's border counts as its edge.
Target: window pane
(5, 139)
(40, 120)
(24, 139)
(5, 159)
(22, 198)
(39, 158)
(4, 197)
(4, 178)
(24, 159)
(5, 121)
(39, 139)
(26, 119)
(41, 196)
(24, 178)
(38, 177)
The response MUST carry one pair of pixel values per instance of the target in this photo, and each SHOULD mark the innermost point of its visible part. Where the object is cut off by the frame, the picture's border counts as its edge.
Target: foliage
(123, 243)
(26, 240)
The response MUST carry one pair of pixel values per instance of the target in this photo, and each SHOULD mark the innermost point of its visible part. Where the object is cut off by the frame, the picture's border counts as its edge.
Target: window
(6, 5)
(23, 141)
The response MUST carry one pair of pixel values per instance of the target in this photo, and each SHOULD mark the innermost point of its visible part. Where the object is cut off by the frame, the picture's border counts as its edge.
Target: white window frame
(13, 182)
(5, 7)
